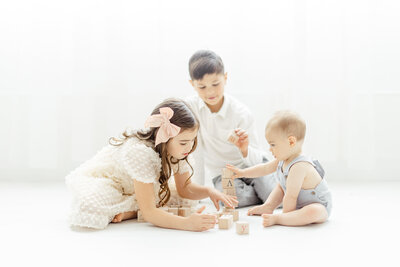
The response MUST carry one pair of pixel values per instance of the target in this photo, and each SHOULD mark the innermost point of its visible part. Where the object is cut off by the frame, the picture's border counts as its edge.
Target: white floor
(363, 229)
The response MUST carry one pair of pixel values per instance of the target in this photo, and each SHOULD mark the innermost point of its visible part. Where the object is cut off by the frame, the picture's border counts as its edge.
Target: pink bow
(167, 129)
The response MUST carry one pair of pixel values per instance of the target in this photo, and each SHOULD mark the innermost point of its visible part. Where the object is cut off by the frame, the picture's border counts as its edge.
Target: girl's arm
(189, 190)
(294, 181)
(255, 171)
(145, 197)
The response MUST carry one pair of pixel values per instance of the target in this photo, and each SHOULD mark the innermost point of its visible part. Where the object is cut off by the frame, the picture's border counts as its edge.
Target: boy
(219, 114)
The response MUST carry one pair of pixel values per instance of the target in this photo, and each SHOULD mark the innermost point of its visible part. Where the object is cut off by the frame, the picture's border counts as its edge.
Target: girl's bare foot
(269, 219)
(124, 216)
(258, 210)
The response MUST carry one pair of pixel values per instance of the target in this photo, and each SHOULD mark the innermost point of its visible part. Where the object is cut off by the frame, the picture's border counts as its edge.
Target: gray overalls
(319, 194)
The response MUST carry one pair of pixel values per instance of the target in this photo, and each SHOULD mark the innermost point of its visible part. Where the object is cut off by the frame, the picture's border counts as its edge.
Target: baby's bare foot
(268, 219)
(124, 216)
(258, 210)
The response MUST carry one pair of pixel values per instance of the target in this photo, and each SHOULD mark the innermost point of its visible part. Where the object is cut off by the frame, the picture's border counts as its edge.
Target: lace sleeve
(141, 162)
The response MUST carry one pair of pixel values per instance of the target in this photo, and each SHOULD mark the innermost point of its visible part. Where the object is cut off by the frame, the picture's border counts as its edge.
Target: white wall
(74, 73)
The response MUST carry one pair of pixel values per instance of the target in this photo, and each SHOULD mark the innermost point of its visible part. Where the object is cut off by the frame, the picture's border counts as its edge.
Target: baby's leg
(313, 213)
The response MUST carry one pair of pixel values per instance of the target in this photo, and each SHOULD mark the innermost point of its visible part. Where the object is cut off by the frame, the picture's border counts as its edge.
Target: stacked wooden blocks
(228, 184)
(180, 210)
(233, 212)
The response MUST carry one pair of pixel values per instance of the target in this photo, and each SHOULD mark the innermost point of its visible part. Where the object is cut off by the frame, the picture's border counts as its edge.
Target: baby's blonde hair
(289, 122)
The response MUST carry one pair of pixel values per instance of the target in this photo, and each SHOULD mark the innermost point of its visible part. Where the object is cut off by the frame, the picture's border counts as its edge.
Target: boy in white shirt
(220, 114)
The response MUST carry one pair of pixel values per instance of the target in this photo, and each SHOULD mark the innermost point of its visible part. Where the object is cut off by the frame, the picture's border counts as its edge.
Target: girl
(126, 175)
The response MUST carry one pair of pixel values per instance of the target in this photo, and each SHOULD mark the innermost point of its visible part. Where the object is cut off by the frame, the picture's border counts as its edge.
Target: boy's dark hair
(205, 62)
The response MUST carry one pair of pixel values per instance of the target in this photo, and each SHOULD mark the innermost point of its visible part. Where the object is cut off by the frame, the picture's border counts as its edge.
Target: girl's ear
(226, 76)
(191, 82)
(292, 140)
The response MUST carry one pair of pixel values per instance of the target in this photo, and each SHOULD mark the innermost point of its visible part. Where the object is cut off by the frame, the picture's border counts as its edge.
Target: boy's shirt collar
(222, 112)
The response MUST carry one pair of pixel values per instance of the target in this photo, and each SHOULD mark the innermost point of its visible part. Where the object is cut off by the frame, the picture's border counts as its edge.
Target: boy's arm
(294, 182)
(255, 171)
(255, 154)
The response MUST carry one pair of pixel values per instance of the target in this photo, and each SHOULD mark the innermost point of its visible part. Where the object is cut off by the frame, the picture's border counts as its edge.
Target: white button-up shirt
(214, 150)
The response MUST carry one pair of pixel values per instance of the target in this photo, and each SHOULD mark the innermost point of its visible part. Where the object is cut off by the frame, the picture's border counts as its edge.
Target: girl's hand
(243, 142)
(237, 173)
(201, 222)
(217, 196)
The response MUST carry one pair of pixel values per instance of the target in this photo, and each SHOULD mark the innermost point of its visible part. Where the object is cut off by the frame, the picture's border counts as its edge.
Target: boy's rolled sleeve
(255, 155)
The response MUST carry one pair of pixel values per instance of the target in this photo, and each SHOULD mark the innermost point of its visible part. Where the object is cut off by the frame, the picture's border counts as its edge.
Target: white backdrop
(74, 73)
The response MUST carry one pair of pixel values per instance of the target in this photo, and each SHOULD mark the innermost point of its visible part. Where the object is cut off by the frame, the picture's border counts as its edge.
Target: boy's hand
(243, 142)
(237, 173)
(217, 196)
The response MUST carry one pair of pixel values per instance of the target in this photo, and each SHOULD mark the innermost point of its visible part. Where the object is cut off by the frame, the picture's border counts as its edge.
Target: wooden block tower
(228, 184)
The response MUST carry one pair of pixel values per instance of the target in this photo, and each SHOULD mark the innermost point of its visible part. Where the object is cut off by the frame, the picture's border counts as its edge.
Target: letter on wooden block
(242, 228)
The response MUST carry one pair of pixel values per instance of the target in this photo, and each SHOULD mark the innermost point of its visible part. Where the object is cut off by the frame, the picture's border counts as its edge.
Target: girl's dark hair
(186, 120)
(205, 62)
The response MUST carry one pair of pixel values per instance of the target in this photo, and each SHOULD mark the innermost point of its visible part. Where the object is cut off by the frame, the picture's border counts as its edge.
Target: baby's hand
(237, 173)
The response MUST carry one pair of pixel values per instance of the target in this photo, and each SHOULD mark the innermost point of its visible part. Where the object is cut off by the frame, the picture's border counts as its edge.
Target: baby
(301, 187)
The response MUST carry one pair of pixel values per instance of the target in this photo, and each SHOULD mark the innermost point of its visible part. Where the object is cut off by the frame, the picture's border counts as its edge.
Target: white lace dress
(102, 187)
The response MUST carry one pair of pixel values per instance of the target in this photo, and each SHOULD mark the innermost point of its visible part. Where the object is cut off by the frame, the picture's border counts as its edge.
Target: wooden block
(230, 192)
(234, 213)
(242, 228)
(164, 208)
(140, 217)
(227, 183)
(225, 221)
(184, 212)
(227, 173)
(233, 137)
(217, 213)
(228, 209)
(173, 210)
